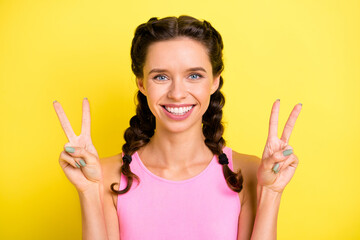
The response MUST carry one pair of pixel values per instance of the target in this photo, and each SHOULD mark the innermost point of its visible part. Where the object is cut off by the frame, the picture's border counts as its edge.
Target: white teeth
(178, 111)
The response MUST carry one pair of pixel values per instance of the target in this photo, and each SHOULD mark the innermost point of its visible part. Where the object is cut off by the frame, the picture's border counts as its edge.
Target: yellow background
(298, 51)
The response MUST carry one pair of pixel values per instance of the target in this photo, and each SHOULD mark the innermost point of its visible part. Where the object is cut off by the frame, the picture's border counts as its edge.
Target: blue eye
(195, 74)
(160, 77)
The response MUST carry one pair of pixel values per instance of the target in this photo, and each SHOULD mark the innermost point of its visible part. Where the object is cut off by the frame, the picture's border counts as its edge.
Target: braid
(213, 131)
(141, 129)
(142, 125)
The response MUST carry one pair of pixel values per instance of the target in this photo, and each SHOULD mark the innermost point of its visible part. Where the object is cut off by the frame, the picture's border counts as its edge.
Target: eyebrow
(189, 70)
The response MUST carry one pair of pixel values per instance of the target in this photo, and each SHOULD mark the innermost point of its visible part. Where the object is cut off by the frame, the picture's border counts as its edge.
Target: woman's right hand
(82, 167)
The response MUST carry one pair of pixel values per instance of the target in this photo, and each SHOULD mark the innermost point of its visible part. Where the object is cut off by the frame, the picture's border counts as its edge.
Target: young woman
(175, 178)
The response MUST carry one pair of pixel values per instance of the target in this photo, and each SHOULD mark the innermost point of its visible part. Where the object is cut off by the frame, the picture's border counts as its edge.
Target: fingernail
(278, 99)
(85, 97)
(70, 149)
(82, 162)
(54, 101)
(300, 104)
(77, 165)
(276, 167)
(287, 152)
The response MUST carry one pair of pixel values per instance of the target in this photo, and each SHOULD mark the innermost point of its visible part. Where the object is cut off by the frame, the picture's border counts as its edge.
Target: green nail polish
(287, 152)
(82, 162)
(276, 167)
(70, 149)
(77, 165)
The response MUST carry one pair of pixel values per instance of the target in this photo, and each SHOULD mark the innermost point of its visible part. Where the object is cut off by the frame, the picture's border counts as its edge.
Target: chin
(179, 127)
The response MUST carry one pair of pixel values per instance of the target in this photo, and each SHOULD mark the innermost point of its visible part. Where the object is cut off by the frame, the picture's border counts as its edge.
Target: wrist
(266, 192)
(94, 189)
(274, 189)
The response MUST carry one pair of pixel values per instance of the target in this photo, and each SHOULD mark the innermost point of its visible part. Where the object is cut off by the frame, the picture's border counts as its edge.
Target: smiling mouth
(178, 110)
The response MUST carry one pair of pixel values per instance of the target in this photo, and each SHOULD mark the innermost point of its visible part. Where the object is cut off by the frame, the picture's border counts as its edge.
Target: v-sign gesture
(79, 160)
(278, 162)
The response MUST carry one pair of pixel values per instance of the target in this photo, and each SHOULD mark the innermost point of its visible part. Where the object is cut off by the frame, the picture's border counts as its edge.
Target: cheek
(203, 97)
(151, 99)
(154, 93)
(202, 92)
(152, 105)
(154, 96)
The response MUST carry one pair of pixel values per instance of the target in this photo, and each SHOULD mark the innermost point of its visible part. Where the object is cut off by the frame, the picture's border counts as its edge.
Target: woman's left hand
(278, 162)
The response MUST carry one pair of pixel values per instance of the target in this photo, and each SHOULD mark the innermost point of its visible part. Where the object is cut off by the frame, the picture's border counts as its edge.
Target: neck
(178, 150)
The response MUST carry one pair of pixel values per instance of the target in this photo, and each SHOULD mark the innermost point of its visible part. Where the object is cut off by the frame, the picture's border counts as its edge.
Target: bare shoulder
(110, 162)
(111, 173)
(248, 164)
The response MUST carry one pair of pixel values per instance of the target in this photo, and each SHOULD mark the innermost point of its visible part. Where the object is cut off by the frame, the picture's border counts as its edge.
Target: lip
(178, 117)
(177, 105)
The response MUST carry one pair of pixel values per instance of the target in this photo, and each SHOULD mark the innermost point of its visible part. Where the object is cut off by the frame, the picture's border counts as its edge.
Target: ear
(215, 84)
(140, 85)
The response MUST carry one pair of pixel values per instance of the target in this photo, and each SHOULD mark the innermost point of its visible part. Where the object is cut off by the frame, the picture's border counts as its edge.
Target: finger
(85, 126)
(291, 161)
(79, 152)
(65, 124)
(64, 157)
(290, 123)
(277, 157)
(79, 161)
(273, 124)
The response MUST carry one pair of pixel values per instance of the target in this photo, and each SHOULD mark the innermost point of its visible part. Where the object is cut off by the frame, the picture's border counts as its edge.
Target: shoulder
(110, 166)
(111, 173)
(248, 164)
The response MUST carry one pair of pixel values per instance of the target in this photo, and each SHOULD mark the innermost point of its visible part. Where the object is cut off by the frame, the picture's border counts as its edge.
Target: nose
(177, 90)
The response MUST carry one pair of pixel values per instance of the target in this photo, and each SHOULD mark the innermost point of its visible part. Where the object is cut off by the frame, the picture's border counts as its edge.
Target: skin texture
(176, 84)
(178, 146)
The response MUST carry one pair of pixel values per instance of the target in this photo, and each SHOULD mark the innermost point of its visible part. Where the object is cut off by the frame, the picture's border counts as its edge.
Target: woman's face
(178, 82)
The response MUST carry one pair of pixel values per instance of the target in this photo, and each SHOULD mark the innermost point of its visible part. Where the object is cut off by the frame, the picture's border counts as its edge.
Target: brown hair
(142, 125)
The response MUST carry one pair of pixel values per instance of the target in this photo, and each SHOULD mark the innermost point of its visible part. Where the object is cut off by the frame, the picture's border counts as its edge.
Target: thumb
(84, 156)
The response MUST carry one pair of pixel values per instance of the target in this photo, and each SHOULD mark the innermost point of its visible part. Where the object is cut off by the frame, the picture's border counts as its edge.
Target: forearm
(93, 220)
(265, 225)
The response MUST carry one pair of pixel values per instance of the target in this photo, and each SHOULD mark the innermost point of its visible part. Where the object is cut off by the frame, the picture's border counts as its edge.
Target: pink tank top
(201, 207)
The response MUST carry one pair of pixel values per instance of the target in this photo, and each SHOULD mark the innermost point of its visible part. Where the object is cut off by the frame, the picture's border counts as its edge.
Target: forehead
(177, 54)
